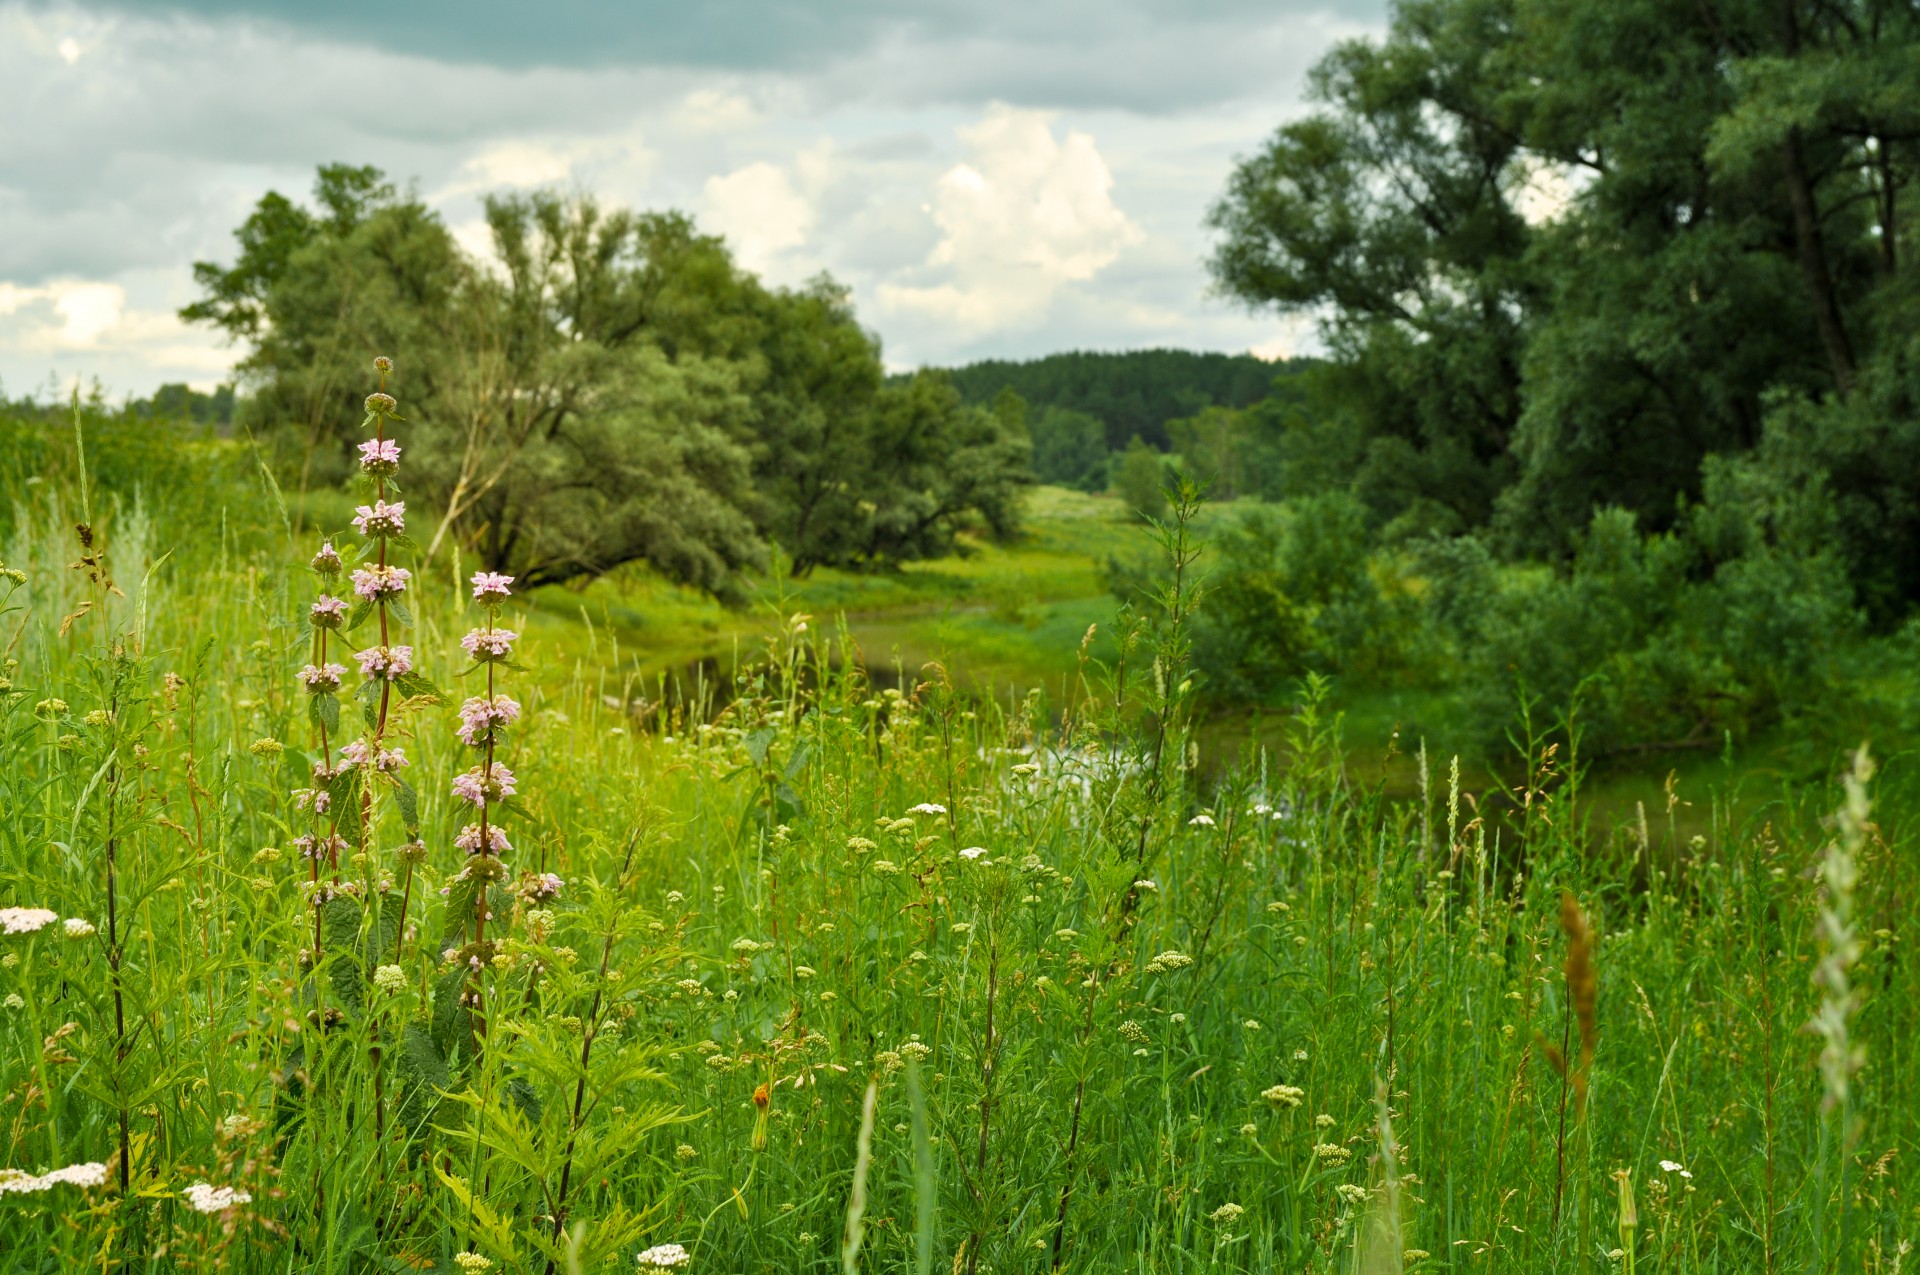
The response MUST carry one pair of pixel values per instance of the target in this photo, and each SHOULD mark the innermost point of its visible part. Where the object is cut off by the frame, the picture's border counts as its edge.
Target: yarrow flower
(377, 582)
(927, 808)
(1226, 1214)
(328, 613)
(26, 920)
(490, 646)
(1200, 821)
(380, 519)
(78, 927)
(662, 1257)
(207, 1198)
(484, 784)
(480, 718)
(322, 679)
(390, 979)
(18, 1181)
(379, 456)
(383, 661)
(468, 839)
(491, 586)
(1286, 1097)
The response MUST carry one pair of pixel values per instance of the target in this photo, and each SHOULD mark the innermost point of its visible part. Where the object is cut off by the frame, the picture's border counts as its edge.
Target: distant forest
(1134, 394)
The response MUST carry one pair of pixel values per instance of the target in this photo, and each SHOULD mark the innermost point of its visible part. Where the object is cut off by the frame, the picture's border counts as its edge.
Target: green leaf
(358, 616)
(461, 895)
(409, 802)
(757, 743)
(415, 686)
(398, 610)
(324, 712)
(344, 791)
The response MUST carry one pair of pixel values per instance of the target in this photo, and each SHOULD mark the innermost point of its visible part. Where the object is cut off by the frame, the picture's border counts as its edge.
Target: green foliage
(1567, 254)
(1132, 394)
(1069, 449)
(610, 388)
(1140, 478)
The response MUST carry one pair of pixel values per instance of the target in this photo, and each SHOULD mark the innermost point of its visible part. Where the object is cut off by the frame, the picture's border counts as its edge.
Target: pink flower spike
(327, 612)
(490, 586)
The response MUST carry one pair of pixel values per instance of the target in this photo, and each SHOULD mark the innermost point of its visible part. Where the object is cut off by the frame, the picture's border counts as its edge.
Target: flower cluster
(380, 457)
(328, 612)
(322, 679)
(390, 662)
(18, 1181)
(490, 646)
(380, 519)
(206, 1198)
(492, 782)
(481, 718)
(379, 582)
(26, 920)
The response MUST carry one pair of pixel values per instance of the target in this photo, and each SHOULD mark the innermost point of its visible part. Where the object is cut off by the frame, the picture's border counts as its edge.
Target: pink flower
(377, 582)
(380, 518)
(389, 760)
(328, 613)
(327, 561)
(353, 753)
(388, 662)
(490, 586)
(541, 887)
(481, 717)
(379, 456)
(490, 646)
(469, 839)
(481, 785)
(323, 679)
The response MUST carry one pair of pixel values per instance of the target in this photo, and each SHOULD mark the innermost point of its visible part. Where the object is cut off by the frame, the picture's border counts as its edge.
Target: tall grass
(899, 979)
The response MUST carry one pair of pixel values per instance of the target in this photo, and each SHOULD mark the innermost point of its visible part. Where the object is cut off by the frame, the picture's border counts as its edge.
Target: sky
(992, 178)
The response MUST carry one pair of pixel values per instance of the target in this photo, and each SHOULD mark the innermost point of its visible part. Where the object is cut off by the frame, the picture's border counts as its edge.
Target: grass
(1126, 995)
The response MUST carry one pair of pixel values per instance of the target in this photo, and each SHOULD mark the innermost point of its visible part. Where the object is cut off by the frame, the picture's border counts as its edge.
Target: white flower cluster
(26, 920)
(19, 1181)
(207, 1198)
(663, 1257)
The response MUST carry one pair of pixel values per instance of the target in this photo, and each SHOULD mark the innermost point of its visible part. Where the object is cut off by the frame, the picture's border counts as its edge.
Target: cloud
(759, 211)
(84, 327)
(144, 133)
(1024, 215)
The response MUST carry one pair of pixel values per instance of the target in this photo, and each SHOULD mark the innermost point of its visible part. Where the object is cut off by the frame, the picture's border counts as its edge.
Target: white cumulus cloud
(1025, 214)
(760, 211)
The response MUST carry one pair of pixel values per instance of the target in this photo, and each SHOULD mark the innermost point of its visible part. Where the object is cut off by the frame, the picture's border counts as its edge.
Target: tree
(610, 388)
(1070, 448)
(1566, 254)
(1140, 480)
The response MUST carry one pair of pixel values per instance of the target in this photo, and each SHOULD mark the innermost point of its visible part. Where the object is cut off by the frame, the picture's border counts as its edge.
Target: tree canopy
(606, 386)
(1571, 257)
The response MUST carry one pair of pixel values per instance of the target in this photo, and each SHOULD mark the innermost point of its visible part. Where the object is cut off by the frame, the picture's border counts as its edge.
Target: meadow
(493, 956)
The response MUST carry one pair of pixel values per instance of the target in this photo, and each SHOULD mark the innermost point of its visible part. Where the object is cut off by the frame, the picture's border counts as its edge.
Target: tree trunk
(1813, 264)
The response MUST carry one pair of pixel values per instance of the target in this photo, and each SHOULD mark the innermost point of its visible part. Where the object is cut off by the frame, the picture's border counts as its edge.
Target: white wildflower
(26, 920)
(207, 1198)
